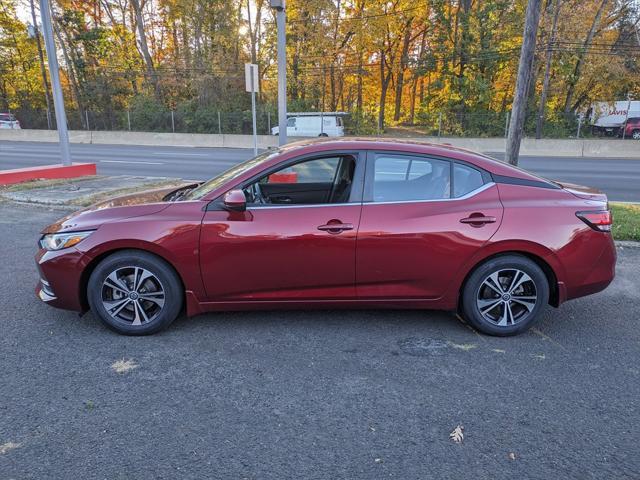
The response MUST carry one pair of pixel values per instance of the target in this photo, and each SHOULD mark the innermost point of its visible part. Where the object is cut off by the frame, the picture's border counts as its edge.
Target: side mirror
(235, 200)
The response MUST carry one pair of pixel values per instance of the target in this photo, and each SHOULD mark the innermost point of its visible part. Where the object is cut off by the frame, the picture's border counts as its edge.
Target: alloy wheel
(133, 295)
(636, 135)
(506, 297)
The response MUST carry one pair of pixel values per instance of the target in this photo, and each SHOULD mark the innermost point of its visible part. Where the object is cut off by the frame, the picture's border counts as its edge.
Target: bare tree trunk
(573, 81)
(412, 108)
(547, 70)
(359, 87)
(75, 89)
(43, 71)
(519, 108)
(144, 47)
(404, 60)
(384, 85)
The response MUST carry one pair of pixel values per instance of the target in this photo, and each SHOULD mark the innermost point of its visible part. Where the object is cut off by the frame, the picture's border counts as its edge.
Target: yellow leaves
(123, 366)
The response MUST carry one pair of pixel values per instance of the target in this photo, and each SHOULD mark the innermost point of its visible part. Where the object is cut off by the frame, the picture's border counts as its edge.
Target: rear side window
(7, 117)
(465, 179)
(405, 178)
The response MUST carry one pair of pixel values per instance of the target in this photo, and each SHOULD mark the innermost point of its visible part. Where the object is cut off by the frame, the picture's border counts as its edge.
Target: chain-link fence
(201, 121)
(213, 121)
(496, 124)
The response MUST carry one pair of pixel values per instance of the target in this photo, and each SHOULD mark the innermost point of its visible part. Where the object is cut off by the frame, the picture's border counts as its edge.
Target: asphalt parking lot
(314, 395)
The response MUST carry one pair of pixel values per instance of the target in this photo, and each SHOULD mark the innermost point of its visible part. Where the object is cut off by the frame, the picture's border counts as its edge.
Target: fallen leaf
(123, 366)
(498, 350)
(378, 460)
(6, 447)
(512, 456)
(457, 436)
(463, 346)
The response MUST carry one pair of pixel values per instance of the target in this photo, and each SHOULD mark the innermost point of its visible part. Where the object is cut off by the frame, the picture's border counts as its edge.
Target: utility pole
(279, 6)
(43, 71)
(54, 73)
(519, 108)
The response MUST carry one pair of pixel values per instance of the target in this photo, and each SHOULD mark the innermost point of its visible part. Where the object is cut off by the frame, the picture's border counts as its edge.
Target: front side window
(291, 122)
(323, 180)
(235, 171)
(406, 178)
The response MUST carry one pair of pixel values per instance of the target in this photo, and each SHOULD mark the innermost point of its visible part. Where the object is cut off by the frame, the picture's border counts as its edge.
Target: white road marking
(180, 154)
(125, 161)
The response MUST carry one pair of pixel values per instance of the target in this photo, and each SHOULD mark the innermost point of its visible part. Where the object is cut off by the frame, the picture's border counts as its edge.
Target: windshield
(215, 182)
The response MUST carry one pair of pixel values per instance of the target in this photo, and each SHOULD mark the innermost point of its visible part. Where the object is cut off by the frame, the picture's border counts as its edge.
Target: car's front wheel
(505, 295)
(135, 293)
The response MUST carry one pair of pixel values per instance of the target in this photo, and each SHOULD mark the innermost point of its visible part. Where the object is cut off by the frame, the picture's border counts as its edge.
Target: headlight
(58, 241)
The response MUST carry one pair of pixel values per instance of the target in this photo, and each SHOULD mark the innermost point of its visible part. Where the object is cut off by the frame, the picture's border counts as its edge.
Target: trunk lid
(588, 193)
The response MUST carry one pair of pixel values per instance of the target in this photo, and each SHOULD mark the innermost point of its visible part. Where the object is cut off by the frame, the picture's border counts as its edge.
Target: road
(619, 178)
(315, 395)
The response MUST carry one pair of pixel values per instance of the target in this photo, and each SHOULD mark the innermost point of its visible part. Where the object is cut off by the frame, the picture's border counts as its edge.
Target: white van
(314, 124)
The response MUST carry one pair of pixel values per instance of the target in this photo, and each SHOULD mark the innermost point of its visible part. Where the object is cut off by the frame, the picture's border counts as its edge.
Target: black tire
(523, 315)
(323, 135)
(162, 273)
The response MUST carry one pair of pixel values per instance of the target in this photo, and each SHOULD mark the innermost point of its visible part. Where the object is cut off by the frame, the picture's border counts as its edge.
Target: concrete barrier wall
(545, 147)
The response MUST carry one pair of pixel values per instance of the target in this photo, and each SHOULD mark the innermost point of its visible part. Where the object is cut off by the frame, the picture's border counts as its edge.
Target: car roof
(406, 145)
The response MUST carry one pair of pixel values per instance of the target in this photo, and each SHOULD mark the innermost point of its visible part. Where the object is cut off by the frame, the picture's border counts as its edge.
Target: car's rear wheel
(505, 295)
(636, 134)
(135, 293)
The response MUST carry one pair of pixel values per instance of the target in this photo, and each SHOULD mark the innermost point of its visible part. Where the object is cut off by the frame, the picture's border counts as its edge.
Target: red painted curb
(8, 177)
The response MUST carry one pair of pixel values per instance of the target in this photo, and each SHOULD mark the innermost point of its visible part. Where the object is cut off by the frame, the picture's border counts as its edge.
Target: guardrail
(601, 148)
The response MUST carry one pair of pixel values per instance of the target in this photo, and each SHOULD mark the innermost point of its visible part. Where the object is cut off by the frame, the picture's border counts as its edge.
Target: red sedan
(341, 223)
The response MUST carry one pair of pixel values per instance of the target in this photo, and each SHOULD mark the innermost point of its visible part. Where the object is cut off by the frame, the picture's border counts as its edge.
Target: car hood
(117, 208)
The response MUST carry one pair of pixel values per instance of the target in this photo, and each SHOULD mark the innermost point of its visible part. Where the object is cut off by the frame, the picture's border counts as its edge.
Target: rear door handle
(335, 227)
(480, 219)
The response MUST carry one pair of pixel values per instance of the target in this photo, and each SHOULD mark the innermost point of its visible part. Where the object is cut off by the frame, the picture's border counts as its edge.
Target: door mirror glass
(235, 200)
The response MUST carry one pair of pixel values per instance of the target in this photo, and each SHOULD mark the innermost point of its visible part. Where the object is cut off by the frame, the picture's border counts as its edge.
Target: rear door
(418, 227)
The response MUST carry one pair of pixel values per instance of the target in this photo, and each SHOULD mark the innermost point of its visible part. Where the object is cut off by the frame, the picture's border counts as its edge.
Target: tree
(547, 68)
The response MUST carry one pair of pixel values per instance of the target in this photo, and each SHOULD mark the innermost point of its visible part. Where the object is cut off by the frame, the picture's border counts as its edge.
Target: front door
(297, 239)
(418, 227)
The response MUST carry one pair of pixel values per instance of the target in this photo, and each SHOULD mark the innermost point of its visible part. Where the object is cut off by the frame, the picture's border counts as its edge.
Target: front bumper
(61, 282)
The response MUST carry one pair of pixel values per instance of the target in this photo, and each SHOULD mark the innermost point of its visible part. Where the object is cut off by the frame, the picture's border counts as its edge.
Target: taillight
(600, 220)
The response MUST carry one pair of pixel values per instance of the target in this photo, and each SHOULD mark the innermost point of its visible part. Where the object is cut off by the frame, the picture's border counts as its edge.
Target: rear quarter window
(465, 180)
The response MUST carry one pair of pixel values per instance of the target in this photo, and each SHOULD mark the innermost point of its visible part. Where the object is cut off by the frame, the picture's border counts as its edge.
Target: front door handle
(478, 219)
(335, 227)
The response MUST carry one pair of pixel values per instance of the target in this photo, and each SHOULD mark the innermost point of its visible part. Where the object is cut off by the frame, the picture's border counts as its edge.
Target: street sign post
(252, 85)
